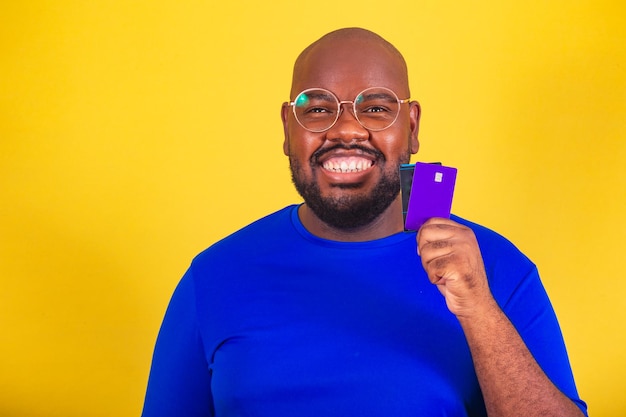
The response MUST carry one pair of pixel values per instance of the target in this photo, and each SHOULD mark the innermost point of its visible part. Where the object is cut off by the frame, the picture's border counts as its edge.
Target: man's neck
(387, 224)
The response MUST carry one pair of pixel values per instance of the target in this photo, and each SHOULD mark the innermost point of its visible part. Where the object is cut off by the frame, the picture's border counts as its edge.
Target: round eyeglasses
(375, 108)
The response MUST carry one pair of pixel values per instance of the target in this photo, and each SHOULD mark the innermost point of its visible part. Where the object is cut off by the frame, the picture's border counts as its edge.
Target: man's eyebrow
(379, 95)
(315, 95)
(320, 94)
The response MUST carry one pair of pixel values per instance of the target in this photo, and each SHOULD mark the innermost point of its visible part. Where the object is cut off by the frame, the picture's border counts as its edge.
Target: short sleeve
(532, 314)
(179, 382)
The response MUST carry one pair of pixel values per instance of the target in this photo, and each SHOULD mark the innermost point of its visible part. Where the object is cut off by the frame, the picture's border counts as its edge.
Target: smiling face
(348, 175)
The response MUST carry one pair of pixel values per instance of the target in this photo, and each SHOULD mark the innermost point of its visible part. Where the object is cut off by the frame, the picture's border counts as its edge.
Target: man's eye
(375, 109)
(318, 110)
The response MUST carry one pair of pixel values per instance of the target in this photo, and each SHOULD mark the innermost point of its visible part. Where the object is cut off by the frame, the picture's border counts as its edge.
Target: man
(330, 309)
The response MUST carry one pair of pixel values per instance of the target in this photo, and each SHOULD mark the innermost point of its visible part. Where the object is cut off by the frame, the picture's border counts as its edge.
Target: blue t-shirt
(274, 321)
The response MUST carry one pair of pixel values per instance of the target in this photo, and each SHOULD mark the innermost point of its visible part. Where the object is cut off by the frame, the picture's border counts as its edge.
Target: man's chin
(348, 186)
(342, 218)
(350, 210)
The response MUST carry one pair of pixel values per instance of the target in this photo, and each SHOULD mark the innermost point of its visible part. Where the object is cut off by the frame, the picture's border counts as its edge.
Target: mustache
(321, 152)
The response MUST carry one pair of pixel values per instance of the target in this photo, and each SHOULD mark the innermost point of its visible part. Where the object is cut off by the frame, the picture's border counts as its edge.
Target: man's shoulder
(256, 233)
(490, 241)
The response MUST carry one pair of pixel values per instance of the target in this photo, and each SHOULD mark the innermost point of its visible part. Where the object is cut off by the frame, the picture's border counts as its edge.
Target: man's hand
(451, 257)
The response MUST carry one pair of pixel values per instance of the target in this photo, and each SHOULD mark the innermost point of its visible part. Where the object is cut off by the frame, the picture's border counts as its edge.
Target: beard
(350, 211)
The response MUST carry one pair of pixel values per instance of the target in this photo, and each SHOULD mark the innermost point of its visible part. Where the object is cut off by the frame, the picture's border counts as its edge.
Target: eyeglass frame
(292, 104)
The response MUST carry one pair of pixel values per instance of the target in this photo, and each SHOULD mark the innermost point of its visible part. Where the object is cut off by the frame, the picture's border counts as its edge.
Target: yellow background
(133, 134)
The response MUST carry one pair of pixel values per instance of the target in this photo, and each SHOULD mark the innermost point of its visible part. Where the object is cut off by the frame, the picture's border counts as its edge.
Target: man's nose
(347, 128)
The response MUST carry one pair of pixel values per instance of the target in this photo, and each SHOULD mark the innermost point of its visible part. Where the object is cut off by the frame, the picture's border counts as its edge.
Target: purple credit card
(430, 195)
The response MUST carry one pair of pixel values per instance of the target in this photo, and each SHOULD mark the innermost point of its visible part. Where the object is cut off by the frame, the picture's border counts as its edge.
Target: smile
(347, 164)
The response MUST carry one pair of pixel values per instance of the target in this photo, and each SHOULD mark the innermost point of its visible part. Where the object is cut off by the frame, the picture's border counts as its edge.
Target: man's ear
(284, 115)
(415, 112)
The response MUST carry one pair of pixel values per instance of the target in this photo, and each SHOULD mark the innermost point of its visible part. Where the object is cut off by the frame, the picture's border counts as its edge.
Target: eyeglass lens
(318, 109)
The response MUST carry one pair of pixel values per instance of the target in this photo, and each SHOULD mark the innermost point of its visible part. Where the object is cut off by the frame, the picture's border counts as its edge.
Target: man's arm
(512, 382)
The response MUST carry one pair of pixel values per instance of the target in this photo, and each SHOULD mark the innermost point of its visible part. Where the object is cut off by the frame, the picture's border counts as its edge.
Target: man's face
(347, 174)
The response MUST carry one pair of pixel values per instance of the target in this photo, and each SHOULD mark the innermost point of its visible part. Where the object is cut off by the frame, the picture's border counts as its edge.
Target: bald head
(349, 53)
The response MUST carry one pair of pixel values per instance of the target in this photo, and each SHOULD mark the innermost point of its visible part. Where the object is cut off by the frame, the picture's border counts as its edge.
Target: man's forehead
(350, 63)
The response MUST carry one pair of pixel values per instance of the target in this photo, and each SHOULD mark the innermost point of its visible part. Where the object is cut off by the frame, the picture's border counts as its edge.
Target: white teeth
(343, 166)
